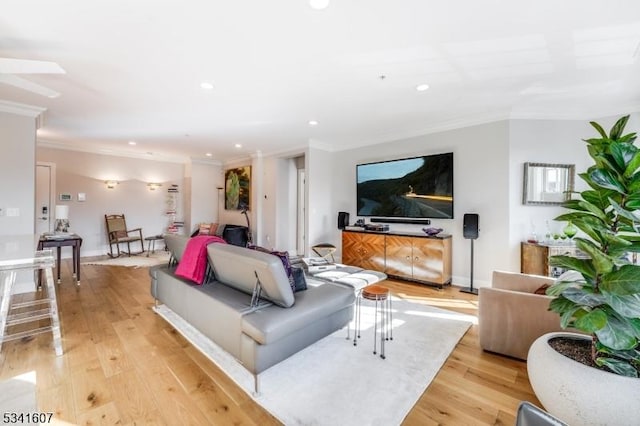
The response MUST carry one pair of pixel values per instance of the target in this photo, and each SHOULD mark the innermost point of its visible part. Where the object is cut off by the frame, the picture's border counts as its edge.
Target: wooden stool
(380, 294)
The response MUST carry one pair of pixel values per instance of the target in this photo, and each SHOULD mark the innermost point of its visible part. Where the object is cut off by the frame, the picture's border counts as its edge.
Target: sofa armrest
(509, 321)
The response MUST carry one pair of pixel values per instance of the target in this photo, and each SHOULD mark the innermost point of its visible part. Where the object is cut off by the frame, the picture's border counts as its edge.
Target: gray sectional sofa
(259, 335)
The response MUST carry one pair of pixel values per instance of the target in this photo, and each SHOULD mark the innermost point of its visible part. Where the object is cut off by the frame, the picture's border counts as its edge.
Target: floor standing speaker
(470, 226)
(343, 220)
(470, 231)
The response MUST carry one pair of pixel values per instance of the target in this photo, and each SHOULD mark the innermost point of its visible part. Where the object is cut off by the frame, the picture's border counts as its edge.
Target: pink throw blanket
(193, 264)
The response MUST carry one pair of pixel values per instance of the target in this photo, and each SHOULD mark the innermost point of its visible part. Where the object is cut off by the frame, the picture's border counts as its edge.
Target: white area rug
(334, 383)
(136, 261)
(18, 394)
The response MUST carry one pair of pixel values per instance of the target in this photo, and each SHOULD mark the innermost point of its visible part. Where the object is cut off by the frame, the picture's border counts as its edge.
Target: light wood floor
(124, 365)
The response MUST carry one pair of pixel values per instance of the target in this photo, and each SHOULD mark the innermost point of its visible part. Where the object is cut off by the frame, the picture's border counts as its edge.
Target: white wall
(85, 172)
(547, 141)
(205, 179)
(481, 185)
(17, 183)
(541, 141)
(322, 167)
(17, 173)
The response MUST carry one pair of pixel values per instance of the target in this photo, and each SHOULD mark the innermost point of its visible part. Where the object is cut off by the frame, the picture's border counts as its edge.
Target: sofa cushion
(239, 267)
(271, 324)
(175, 244)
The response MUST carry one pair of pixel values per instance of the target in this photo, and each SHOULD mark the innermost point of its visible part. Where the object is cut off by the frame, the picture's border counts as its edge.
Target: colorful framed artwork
(237, 188)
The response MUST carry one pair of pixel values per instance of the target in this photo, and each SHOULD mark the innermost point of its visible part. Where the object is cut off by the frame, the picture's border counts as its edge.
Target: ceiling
(134, 69)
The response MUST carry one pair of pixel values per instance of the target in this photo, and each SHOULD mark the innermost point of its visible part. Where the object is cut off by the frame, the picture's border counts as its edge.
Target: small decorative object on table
(432, 231)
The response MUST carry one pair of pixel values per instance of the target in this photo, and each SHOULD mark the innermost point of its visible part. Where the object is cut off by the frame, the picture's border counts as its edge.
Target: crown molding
(195, 160)
(111, 152)
(21, 109)
(577, 115)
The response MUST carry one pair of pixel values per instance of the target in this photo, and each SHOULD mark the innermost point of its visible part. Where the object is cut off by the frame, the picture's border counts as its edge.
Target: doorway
(45, 197)
(300, 213)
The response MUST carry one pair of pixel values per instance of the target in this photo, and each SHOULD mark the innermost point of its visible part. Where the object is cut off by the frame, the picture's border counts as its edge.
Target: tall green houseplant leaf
(605, 301)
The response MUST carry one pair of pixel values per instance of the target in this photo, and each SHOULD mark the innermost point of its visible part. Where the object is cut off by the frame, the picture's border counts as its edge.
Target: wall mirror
(547, 184)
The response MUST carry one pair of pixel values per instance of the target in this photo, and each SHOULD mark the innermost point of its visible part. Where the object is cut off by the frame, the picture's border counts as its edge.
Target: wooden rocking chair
(117, 233)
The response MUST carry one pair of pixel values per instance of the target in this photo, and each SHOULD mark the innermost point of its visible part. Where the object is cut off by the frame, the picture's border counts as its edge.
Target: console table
(63, 240)
(405, 255)
(534, 258)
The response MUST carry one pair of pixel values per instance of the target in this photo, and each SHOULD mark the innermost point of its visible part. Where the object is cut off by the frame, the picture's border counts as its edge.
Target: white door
(45, 179)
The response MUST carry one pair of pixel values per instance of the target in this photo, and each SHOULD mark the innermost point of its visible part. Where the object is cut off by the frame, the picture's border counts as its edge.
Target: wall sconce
(111, 183)
(154, 186)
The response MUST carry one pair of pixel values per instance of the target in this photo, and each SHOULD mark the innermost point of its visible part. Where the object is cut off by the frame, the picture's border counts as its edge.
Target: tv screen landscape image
(418, 187)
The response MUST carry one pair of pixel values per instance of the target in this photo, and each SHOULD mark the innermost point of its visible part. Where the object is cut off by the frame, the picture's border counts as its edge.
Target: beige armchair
(511, 316)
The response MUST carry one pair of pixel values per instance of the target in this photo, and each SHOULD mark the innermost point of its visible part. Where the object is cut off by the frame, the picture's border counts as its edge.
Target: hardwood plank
(106, 414)
(112, 357)
(131, 396)
(90, 387)
(59, 401)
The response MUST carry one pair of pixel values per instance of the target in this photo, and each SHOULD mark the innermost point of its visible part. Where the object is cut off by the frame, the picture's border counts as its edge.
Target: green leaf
(592, 321)
(558, 287)
(634, 183)
(598, 198)
(624, 281)
(594, 209)
(601, 262)
(627, 306)
(603, 178)
(623, 212)
(622, 368)
(623, 154)
(628, 138)
(632, 354)
(616, 244)
(567, 317)
(618, 128)
(616, 333)
(633, 164)
(633, 201)
(560, 305)
(599, 129)
(573, 205)
(583, 266)
(584, 298)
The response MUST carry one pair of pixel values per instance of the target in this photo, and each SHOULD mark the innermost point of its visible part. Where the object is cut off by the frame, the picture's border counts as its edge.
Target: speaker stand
(470, 289)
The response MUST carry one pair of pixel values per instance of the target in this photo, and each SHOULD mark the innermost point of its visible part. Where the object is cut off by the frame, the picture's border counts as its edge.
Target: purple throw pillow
(284, 258)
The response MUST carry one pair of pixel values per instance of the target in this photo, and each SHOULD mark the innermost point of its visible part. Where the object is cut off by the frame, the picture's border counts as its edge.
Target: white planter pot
(578, 394)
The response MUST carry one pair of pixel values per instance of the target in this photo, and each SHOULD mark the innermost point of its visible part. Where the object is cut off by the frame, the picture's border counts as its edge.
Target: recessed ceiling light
(238, 145)
(132, 143)
(313, 123)
(208, 154)
(422, 87)
(319, 4)
(206, 85)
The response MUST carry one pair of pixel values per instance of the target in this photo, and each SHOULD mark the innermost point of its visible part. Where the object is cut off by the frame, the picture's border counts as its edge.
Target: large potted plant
(599, 297)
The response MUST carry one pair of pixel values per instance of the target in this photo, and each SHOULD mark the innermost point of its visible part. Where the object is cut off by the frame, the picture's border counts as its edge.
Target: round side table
(151, 241)
(382, 297)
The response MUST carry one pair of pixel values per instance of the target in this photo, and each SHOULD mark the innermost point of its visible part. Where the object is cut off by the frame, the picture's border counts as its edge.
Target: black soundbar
(401, 220)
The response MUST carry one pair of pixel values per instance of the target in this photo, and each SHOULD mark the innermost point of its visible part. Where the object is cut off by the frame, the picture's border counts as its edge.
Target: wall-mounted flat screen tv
(418, 187)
